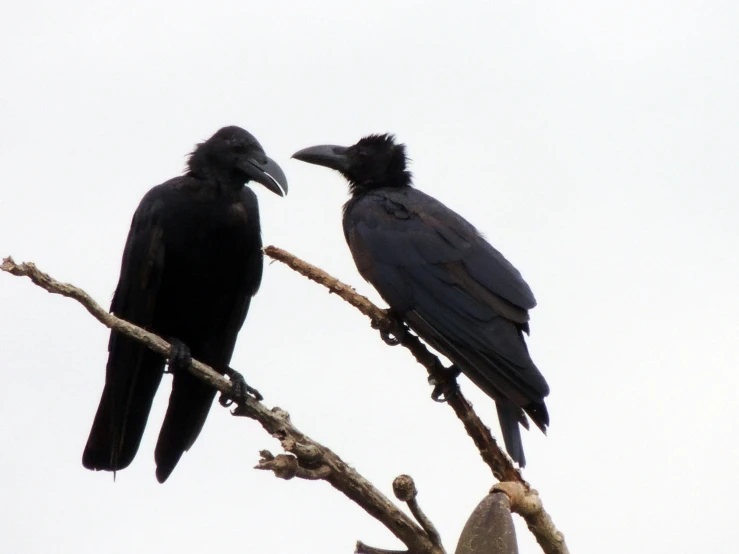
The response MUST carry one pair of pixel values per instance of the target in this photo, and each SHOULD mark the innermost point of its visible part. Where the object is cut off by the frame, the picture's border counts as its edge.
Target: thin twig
(405, 490)
(155, 343)
(367, 549)
(314, 458)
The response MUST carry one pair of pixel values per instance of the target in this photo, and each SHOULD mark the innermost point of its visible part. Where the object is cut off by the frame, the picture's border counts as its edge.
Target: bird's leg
(445, 383)
(386, 337)
(179, 357)
(240, 389)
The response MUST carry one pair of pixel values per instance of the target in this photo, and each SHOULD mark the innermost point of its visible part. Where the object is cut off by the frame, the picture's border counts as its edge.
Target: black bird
(440, 276)
(192, 263)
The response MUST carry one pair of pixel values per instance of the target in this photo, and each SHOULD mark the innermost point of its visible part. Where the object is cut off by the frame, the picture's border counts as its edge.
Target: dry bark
(308, 459)
(529, 504)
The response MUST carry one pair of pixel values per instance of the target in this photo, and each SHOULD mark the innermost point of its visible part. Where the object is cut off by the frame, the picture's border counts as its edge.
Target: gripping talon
(386, 337)
(180, 358)
(241, 390)
(445, 384)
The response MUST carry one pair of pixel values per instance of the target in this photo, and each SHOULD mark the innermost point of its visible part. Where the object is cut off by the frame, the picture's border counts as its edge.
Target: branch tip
(362, 548)
(404, 488)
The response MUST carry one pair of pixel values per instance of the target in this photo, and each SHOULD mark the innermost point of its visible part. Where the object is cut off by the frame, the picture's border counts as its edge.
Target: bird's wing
(454, 288)
(481, 262)
(191, 398)
(143, 262)
(133, 372)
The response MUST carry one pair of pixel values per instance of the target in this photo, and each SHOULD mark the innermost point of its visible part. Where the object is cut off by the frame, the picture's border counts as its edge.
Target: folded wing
(454, 289)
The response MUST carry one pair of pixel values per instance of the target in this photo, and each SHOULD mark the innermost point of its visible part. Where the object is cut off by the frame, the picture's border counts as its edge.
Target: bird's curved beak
(327, 155)
(265, 170)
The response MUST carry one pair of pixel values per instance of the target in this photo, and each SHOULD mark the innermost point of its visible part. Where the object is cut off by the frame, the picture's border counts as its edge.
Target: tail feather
(515, 383)
(510, 416)
(132, 379)
(188, 409)
(539, 414)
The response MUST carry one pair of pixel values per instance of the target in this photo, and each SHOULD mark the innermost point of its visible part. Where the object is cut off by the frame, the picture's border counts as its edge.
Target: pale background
(594, 143)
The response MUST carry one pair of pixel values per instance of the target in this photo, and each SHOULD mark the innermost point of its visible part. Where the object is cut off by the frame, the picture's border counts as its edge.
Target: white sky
(594, 143)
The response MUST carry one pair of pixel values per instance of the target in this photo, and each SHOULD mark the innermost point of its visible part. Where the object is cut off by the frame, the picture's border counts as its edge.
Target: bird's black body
(192, 262)
(441, 277)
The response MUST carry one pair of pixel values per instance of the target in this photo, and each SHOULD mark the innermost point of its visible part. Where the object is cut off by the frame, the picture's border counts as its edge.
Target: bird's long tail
(509, 417)
(188, 409)
(133, 375)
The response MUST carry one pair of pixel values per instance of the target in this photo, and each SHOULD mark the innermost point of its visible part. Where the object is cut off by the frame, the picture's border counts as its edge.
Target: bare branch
(526, 502)
(367, 549)
(502, 468)
(157, 344)
(308, 459)
(529, 507)
(405, 491)
(311, 460)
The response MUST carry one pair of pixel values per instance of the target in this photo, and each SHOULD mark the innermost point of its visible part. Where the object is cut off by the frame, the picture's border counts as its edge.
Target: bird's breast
(237, 214)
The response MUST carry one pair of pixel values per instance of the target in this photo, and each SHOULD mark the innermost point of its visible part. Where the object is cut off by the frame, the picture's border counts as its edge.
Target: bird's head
(234, 157)
(375, 161)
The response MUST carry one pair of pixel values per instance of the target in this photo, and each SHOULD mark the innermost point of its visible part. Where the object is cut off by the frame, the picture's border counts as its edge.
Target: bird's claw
(179, 357)
(386, 337)
(240, 390)
(445, 384)
(389, 339)
(444, 391)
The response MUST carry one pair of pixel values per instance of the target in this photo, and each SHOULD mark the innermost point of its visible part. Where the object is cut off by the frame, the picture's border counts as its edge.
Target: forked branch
(537, 519)
(306, 459)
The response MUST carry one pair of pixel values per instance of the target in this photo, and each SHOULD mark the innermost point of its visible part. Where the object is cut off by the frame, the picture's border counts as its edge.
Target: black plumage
(192, 263)
(441, 277)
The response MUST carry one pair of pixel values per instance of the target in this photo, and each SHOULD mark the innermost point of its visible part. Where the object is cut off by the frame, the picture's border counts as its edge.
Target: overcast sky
(594, 143)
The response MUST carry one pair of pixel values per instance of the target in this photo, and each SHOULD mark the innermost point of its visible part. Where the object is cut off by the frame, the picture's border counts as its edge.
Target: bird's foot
(389, 339)
(445, 383)
(386, 337)
(180, 358)
(241, 391)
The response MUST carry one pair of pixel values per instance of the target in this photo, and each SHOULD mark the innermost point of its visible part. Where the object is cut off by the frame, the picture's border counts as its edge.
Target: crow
(191, 265)
(441, 277)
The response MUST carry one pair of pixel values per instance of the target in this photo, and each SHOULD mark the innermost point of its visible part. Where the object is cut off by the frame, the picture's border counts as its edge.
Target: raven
(440, 276)
(192, 263)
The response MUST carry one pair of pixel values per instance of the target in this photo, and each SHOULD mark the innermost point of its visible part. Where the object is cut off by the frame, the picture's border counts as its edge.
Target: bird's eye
(238, 148)
(363, 153)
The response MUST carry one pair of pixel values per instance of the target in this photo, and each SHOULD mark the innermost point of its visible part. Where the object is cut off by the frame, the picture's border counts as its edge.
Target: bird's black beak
(327, 155)
(265, 170)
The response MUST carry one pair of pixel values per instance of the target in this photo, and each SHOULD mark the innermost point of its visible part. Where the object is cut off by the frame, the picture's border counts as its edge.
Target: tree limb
(311, 460)
(528, 504)
(502, 468)
(307, 458)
